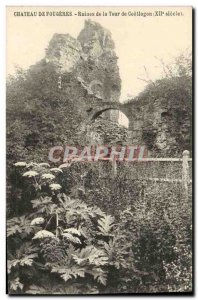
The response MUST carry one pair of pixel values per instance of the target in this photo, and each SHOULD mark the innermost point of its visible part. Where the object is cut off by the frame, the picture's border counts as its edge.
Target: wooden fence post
(185, 172)
(114, 168)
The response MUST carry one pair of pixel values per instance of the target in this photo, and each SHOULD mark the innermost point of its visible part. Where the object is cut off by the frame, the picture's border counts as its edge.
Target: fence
(167, 170)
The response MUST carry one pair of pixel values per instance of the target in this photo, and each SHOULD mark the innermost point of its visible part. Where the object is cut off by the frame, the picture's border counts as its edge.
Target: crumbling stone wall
(87, 68)
(155, 125)
(91, 58)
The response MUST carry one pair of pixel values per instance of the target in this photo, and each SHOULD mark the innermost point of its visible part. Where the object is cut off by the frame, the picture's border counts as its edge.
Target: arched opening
(113, 114)
(108, 126)
(100, 113)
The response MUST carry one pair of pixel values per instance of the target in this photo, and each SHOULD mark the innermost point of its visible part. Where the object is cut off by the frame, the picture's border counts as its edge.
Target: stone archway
(110, 127)
(122, 118)
(96, 108)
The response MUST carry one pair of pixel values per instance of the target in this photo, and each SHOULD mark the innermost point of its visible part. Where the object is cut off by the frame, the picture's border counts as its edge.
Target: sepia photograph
(99, 150)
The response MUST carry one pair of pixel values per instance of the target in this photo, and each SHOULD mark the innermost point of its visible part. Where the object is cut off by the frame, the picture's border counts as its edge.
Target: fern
(72, 272)
(117, 251)
(64, 231)
(78, 263)
(99, 275)
(15, 284)
(102, 279)
(106, 224)
(25, 261)
(91, 255)
(20, 225)
(76, 271)
(44, 205)
(54, 250)
(73, 209)
(24, 255)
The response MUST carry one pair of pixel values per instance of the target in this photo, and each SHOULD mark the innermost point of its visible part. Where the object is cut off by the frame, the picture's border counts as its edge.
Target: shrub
(61, 244)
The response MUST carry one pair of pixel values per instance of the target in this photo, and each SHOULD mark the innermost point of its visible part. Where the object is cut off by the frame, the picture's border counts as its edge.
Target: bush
(61, 244)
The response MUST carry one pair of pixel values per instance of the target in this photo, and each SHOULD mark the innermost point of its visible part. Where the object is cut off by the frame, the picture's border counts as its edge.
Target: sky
(140, 41)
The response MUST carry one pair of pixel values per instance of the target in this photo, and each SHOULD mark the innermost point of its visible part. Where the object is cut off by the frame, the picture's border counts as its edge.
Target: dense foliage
(60, 244)
(174, 91)
(40, 115)
(76, 228)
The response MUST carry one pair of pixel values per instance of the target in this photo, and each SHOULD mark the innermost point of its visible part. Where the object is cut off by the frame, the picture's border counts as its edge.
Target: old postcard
(99, 150)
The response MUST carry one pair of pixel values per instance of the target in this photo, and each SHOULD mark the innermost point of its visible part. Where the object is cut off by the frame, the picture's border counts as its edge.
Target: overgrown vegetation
(76, 228)
(60, 244)
(174, 92)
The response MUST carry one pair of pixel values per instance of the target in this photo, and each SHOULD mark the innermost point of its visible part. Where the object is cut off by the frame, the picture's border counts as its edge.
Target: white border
(2, 101)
